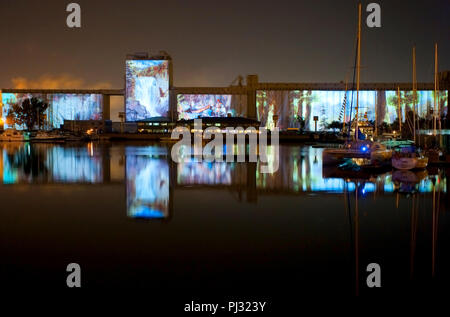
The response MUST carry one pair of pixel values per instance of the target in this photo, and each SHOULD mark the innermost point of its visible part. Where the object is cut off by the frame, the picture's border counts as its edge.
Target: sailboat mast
(399, 109)
(358, 63)
(436, 93)
(376, 116)
(345, 105)
(414, 92)
(435, 89)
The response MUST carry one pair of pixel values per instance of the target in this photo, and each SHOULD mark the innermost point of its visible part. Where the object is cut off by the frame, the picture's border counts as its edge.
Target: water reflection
(190, 172)
(300, 215)
(46, 163)
(150, 172)
(149, 176)
(148, 186)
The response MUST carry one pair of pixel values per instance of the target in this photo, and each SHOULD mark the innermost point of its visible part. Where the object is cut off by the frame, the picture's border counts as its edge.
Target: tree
(30, 112)
(301, 123)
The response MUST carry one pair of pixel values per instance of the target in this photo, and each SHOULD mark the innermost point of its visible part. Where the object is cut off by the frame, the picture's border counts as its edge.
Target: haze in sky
(212, 42)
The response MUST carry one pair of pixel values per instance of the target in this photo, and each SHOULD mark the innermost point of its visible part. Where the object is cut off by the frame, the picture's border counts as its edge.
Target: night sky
(212, 41)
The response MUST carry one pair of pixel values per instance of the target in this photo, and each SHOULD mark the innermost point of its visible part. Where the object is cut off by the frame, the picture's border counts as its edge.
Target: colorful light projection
(191, 106)
(74, 107)
(147, 89)
(148, 187)
(289, 106)
(9, 99)
(194, 106)
(61, 107)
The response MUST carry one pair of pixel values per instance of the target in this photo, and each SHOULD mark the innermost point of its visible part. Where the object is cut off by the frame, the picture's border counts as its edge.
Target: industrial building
(153, 104)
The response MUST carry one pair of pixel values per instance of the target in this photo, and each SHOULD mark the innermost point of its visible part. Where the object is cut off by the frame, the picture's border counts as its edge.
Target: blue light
(364, 149)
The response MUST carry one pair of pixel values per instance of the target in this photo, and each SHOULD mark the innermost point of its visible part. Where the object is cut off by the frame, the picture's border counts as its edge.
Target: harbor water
(131, 217)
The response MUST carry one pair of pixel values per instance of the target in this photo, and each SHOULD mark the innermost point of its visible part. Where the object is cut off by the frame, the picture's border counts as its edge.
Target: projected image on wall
(148, 190)
(291, 107)
(73, 107)
(147, 89)
(9, 99)
(61, 107)
(194, 106)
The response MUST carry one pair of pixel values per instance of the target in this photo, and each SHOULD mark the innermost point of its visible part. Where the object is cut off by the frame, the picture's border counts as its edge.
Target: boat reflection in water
(408, 181)
(329, 222)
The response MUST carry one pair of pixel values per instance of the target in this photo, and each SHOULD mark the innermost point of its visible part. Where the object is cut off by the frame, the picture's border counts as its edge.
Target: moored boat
(363, 152)
(42, 136)
(12, 135)
(408, 158)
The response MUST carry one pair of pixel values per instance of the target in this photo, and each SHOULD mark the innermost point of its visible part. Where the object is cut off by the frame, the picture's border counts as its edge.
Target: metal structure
(249, 90)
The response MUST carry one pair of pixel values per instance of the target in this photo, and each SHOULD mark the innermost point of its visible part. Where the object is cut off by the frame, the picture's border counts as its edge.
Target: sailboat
(408, 157)
(362, 152)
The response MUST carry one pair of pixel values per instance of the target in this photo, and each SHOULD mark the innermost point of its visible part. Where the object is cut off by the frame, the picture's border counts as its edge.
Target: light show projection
(73, 107)
(194, 106)
(148, 187)
(147, 89)
(9, 99)
(327, 105)
(61, 107)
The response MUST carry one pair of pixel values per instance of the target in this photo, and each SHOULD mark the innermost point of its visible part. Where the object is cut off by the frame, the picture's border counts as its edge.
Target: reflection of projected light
(146, 212)
(9, 174)
(74, 165)
(147, 89)
(194, 106)
(147, 187)
(53, 164)
(204, 173)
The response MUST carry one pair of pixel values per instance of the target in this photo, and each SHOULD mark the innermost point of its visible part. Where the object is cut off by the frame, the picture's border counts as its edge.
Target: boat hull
(333, 156)
(404, 163)
(376, 158)
(6, 139)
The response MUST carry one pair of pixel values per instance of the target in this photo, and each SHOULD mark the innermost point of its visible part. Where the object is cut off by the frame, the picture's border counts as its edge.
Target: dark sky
(212, 41)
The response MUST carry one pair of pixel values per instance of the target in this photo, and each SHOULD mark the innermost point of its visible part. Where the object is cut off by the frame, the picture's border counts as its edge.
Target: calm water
(133, 218)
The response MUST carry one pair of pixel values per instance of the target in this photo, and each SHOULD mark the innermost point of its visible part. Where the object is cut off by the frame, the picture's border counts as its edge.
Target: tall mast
(435, 88)
(414, 92)
(399, 109)
(345, 106)
(358, 63)
(436, 92)
(376, 116)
